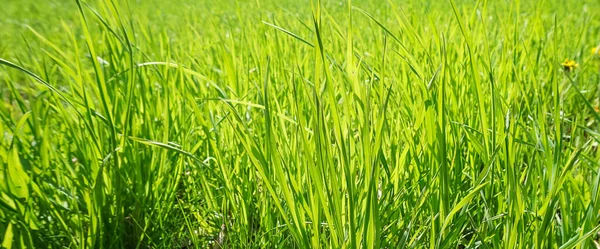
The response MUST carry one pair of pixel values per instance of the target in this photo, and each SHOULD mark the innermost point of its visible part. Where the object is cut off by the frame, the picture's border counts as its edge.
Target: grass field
(299, 124)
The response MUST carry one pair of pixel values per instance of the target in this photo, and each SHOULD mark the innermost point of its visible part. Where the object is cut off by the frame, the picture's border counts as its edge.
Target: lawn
(299, 124)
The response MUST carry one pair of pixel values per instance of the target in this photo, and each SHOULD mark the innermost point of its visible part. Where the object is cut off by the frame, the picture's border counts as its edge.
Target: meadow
(299, 124)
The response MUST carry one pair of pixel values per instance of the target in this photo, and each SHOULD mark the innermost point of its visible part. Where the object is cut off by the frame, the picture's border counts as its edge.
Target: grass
(285, 124)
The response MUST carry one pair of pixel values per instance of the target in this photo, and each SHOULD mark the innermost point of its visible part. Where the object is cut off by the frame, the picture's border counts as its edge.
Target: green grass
(299, 124)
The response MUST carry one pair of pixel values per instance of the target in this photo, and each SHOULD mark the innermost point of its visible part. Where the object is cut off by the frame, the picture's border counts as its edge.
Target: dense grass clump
(299, 124)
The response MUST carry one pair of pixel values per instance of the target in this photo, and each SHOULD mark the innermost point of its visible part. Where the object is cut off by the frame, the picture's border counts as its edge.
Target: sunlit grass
(285, 124)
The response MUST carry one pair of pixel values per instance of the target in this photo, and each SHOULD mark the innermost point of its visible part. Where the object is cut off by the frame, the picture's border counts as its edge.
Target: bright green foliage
(299, 124)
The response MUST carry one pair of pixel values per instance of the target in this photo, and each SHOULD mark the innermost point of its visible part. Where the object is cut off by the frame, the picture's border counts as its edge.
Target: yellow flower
(569, 65)
(596, 51)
